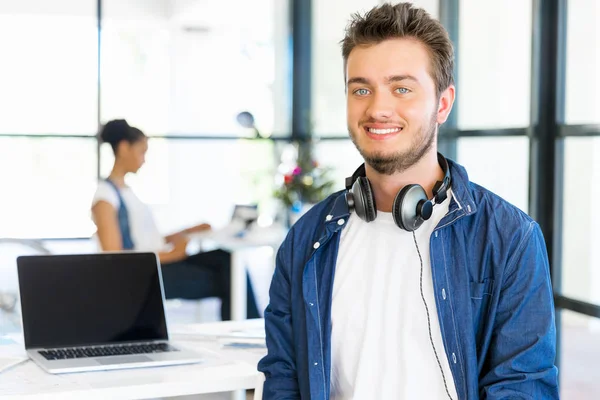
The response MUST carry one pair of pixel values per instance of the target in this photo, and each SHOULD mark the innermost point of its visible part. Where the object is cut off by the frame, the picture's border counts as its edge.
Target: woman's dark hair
(117, 130)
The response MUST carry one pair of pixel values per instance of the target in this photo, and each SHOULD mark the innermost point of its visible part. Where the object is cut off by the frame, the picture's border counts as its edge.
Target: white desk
(227, 369)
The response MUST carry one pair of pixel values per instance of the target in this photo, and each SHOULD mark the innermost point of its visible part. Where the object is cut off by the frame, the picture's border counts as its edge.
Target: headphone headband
(360, 172)
(440, 189)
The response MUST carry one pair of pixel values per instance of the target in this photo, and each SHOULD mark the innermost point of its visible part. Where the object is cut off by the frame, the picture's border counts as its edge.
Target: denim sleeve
(279, 365)
(523, 347)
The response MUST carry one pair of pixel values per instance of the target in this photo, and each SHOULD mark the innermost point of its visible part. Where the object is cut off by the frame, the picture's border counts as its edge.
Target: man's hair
(404, 20)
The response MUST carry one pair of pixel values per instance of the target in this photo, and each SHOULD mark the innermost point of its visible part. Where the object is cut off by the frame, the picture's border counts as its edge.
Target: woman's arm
(177, 253)
(107, 225)
(109, 234)
(179, 235)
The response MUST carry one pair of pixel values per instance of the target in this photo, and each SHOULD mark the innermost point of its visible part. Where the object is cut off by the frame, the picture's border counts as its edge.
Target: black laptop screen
(73, 300)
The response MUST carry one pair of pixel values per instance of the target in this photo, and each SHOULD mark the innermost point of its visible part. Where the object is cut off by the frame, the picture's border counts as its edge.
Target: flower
(304, 181)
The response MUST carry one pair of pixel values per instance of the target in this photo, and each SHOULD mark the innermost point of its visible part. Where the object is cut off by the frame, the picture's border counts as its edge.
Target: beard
(400, 161)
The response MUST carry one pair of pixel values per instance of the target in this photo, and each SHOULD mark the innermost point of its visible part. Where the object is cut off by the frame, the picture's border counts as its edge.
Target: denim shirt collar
(462, 202)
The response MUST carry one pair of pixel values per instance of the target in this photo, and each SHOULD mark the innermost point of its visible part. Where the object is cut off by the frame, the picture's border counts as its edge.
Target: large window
(339, 155)
(494, 64)
(581, 221)
(583, 62)
(188, 68)
(48, 185)
(49, 63)
(191, 181)
(580, 170)
(519, 59)
(485, 161)
(181, 71)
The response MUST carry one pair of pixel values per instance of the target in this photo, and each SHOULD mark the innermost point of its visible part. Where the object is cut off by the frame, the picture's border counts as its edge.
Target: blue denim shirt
(491, 286)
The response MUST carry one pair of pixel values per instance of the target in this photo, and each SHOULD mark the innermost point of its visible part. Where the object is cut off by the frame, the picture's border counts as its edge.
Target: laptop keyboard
(105, 351)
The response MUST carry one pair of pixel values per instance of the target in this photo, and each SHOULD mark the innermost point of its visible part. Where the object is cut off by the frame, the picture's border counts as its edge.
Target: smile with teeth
(384, 131)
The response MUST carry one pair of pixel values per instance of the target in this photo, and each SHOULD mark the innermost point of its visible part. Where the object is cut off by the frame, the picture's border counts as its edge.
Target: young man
(414, 283)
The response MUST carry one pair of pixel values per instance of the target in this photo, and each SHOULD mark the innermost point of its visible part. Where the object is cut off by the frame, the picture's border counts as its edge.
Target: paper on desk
(252, 328)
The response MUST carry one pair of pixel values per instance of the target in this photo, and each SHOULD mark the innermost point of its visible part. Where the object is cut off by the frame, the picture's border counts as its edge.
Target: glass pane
(49, 67)
(51, 183)
(494, 67)
(329, 98)
(188, 68)
(485, 159)
(342, 156)
(581, 220)
(583, 62)
(580, 351)
(187, 182)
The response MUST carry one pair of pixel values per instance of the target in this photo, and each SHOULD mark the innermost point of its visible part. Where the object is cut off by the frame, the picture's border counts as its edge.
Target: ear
(445, 104)
(123, 147)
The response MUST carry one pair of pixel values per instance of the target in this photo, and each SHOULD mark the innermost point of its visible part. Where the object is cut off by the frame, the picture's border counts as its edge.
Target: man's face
(392, 103)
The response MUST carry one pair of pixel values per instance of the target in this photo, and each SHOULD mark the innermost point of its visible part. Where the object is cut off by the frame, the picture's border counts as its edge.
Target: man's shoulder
(483, 204)
(492, 206)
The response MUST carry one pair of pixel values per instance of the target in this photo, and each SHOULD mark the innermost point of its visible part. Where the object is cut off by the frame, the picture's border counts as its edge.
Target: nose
(381, 107)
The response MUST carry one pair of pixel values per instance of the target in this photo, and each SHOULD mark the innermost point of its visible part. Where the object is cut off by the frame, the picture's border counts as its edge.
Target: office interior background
(526, 123)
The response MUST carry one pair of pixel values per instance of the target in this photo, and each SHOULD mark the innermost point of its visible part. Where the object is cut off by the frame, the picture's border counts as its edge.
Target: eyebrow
(363, 81)
(388, 80)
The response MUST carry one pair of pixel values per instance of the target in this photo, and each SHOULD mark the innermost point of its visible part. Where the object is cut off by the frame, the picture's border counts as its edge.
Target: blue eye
(361, 92)
(402, 90)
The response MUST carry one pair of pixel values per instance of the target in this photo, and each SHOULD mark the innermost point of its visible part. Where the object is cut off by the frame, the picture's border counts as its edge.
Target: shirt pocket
(481, 295)
(481, 289)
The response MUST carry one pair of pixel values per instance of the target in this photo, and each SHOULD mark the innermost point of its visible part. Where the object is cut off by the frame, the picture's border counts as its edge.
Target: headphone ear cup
(364, 202)
(404, 209)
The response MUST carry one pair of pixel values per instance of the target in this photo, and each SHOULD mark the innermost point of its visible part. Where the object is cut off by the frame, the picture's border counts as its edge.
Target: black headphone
(411, 206)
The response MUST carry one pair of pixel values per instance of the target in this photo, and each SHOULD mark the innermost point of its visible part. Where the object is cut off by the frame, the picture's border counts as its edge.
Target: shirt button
(316, 245)
(454, 358)
(316, 364)
(436, 233)
(328, 218)
(311, 304)
(444, 293)
(341, 222)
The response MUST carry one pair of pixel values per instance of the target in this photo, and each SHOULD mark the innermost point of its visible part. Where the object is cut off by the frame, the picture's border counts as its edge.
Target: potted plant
(303, 182)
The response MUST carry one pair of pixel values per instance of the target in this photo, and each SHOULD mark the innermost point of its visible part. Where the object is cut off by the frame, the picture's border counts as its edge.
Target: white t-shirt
(380, 338)
(144, 232)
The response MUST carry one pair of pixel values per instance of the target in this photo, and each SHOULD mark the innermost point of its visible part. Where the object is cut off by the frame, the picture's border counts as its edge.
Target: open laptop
(90, 312)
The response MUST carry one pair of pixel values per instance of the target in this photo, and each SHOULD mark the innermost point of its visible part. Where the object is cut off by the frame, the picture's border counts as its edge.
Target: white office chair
(10, 249)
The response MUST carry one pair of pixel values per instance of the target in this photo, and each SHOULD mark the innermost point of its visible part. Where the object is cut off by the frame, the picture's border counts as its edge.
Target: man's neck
(426, 172)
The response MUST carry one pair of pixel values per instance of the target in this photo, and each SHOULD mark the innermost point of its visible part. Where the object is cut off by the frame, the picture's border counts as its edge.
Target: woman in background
(124, 222)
